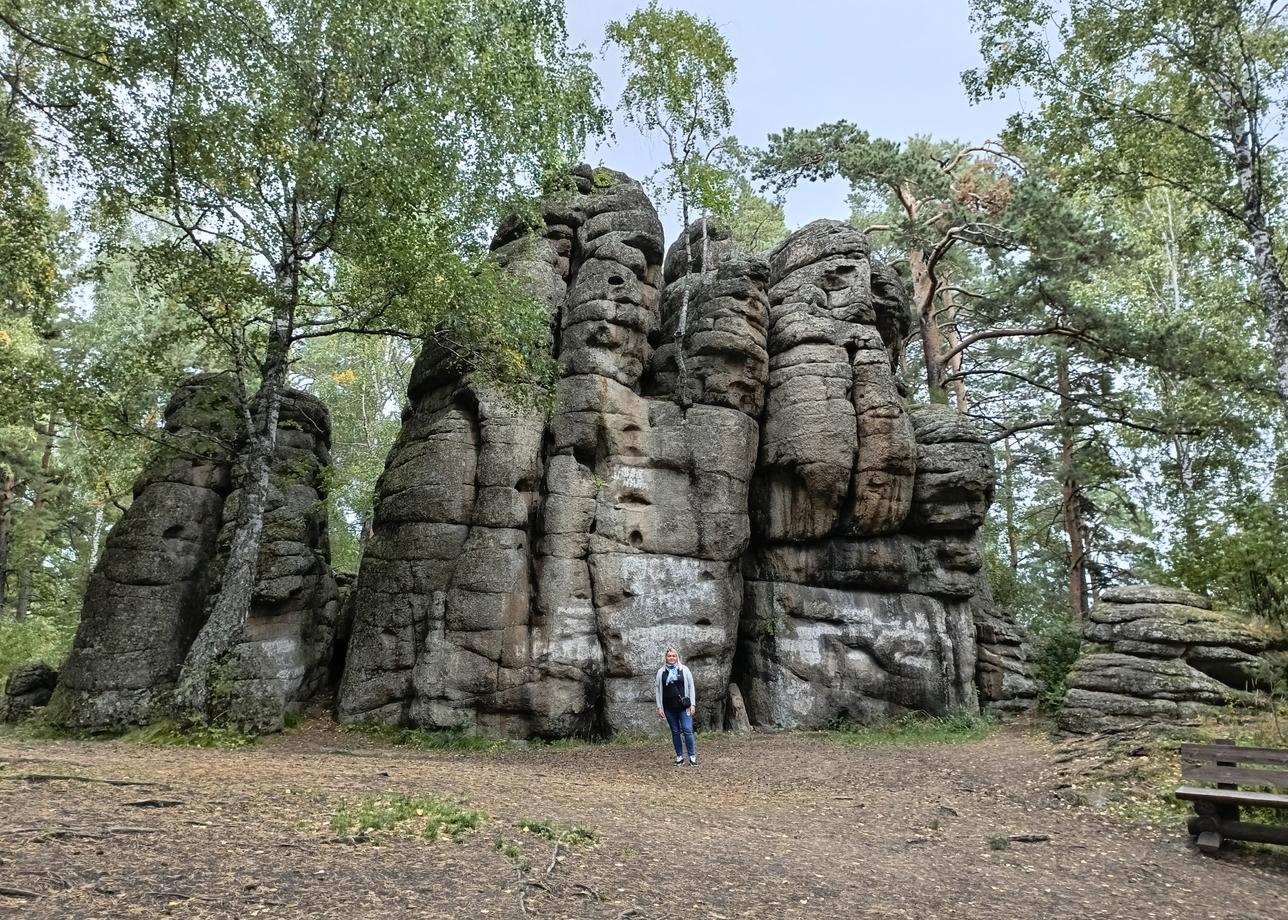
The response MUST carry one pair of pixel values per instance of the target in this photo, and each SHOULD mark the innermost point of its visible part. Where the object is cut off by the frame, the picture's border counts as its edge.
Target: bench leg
(1208, 841)
(1206, 827)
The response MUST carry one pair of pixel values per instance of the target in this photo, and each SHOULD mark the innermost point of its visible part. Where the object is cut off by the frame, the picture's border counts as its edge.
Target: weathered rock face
(729, 467)
(534, 581)
(283, 655)
(863, 567)
(1161, 655)
(1004, 673)
(147, 597)
(30, 685)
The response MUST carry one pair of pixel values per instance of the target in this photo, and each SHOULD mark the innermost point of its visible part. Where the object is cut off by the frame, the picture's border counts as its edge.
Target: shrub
(37, 638)
(172, 734)
(1058, 642)
(433, 740)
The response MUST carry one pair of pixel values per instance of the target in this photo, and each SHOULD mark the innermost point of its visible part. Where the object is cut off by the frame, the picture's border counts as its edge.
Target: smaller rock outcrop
(1004, 674)
(160, 572)
(30, 685)
(1163, 656)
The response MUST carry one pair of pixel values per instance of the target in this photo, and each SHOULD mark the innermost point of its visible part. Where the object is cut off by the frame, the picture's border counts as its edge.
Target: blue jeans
(681, 724)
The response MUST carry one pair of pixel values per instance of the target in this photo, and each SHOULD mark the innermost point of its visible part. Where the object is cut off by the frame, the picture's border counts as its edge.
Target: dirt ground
(767, 827)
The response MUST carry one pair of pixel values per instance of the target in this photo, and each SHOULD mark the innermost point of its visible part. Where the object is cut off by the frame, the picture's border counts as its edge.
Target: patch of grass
(426, 816)
(999, 842)
(512, 852)
(915, 729)
(173, 734)
(569, 834)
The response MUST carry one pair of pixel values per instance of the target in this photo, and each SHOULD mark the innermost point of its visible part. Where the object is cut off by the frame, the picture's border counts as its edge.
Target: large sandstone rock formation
(1163, 656)
(729, 467)
(148, 595)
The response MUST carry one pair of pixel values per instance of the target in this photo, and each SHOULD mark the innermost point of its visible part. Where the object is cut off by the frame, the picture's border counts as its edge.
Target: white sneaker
(679, 761)
(693, 761)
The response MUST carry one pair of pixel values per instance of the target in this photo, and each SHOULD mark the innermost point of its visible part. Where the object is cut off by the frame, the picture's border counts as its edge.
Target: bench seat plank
(1230, 753)
(1233, 797)
(1243, 776)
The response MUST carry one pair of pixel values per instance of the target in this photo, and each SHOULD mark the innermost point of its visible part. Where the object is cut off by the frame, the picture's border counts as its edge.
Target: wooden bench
(1229, 767)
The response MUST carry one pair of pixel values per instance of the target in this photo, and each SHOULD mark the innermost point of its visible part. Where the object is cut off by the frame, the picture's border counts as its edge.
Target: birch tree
(318, 167)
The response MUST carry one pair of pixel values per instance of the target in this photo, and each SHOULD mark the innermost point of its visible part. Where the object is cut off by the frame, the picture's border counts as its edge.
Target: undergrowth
(463, 743)
(173, 734)
(428, 740)
(915, 729)
(37, 638)
(569, 834)
(425, 816)
(1135, 778)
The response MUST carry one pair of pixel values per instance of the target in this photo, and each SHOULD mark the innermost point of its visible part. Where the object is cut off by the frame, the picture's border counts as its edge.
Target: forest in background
(300, 192)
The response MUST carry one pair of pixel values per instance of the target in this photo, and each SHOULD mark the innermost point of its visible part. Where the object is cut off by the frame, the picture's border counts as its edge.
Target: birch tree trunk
(1270, 277)
(227, 616)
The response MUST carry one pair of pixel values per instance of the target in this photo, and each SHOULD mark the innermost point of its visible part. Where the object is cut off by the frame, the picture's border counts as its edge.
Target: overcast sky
(891, 68)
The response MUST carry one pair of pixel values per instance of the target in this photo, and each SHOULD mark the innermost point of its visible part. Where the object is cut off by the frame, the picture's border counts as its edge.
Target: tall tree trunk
(1012, 537)
(1070, 495)
(8, 495)
(1270, 278)
(682, 325)
(226, 618)
(932, 337)
(955, 363)
(26, 577)
(95, 538)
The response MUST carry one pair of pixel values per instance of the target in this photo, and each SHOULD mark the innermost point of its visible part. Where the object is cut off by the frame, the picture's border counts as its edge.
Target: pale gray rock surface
(1004, 673)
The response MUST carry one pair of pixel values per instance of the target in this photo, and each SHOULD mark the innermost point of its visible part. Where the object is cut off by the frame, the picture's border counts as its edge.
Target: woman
(676, 702)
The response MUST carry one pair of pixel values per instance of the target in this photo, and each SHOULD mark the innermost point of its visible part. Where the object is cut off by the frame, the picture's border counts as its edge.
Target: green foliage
(46, 639)
(1133, 94)
(999, 842)
(1241, 557)
(319, 166)
(512, 852)
(363, 381)
(960, 726)
(426, 816)
(678, 69)
(757, 223)
(568, 834)
(1057, 642)
(173, 734)
(1137, 95)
